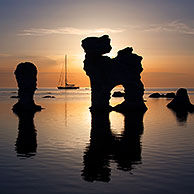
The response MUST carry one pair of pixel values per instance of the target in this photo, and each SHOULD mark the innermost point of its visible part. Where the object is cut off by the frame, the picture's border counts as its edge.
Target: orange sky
(42, 32)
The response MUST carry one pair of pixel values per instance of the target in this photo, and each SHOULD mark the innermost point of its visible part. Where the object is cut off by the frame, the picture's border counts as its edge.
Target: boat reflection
(105, 147)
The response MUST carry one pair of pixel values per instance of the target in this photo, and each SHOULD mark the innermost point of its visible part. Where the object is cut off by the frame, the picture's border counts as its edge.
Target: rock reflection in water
(181, 116)
(26, 143)
(105, 146)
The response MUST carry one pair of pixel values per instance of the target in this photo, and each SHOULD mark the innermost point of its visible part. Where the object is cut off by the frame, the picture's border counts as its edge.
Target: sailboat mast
(61, 77)
(65, 70)
(64, 75)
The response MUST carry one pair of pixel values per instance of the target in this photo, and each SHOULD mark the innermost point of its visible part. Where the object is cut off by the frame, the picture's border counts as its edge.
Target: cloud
(66, 30)
(174, 26)
(4, 55)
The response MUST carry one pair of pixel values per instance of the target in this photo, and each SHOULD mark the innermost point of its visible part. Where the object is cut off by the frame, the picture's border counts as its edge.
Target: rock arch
(106, 73)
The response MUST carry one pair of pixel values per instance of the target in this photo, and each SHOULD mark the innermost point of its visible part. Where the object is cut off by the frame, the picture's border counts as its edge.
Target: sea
(64, 149)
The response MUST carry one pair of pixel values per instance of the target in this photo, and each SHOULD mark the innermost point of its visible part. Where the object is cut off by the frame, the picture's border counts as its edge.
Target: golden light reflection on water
(117, 123)
(73, 115)
(65, 122)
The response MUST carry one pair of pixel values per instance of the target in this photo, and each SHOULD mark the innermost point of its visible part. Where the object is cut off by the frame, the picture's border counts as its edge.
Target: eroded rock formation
(25, 74)
(106, 73)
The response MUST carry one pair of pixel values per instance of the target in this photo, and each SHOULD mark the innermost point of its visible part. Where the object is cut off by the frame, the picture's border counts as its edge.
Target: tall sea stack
(106, 73)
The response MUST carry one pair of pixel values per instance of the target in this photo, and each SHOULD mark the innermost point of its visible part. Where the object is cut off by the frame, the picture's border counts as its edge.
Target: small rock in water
(48, 97)
(158, 95)
(155, 95)
(14, 96)
(170, 95)
(118, 94)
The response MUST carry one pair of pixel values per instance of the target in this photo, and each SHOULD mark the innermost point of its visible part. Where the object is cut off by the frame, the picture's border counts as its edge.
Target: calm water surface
(65, 149)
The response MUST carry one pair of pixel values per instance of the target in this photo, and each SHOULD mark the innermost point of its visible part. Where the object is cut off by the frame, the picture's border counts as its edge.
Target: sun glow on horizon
(164, 40)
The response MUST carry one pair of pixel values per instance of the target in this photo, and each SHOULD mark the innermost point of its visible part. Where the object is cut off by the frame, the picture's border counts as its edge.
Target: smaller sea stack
(181, 101)
(25, 74)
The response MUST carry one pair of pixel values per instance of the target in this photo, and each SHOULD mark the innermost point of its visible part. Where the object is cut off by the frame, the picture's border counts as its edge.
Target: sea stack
(127, 70)
(98, 68)
(25, 74)
(181, 101)
(105, 73)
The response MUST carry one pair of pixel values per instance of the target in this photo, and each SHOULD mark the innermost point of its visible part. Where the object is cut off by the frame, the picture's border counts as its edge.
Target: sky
(42, 32)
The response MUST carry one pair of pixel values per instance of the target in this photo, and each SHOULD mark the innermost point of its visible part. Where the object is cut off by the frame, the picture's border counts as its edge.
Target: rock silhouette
(118, 94)
(181, 102)
(106, 73)
(158, 95)
(48, 96)
(25, 74)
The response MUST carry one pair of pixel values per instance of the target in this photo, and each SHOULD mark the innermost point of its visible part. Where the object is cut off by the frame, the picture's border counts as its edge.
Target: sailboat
(61, 78)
